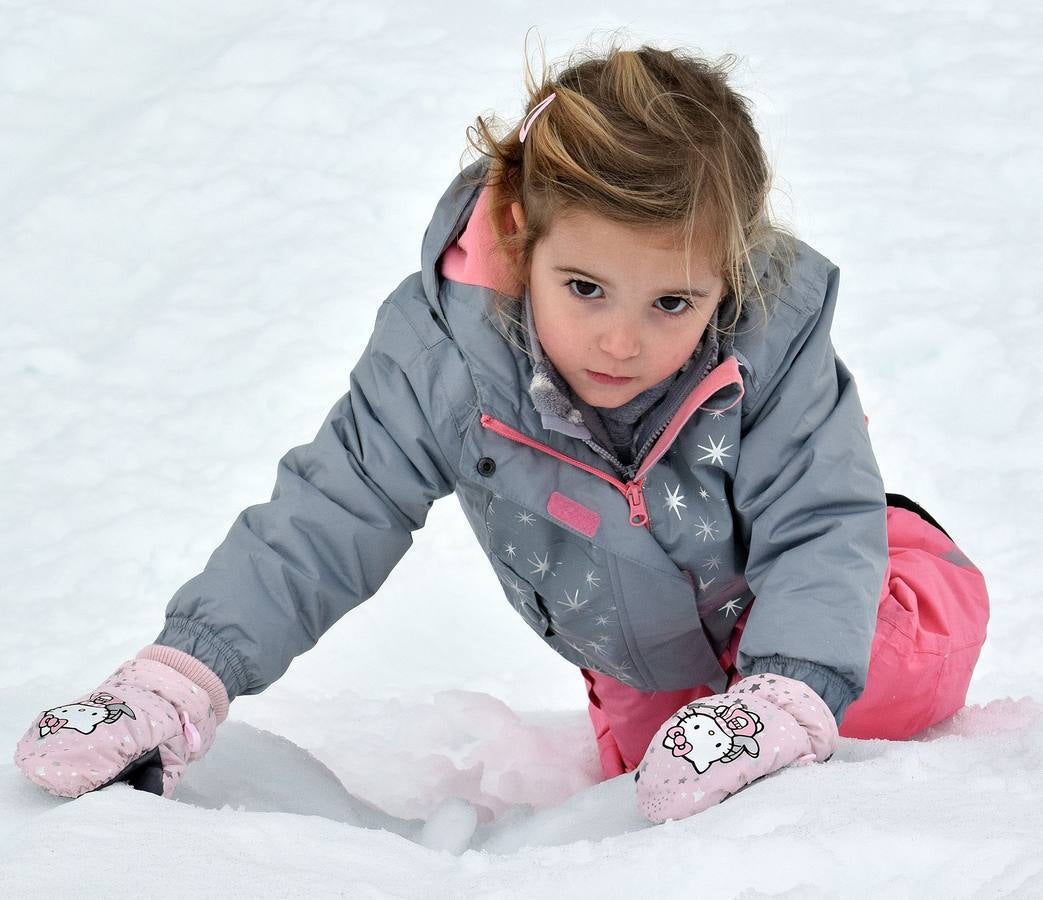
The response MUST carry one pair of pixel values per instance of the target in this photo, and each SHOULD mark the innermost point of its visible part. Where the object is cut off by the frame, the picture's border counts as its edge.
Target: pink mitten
(142, 725)
(715, 746)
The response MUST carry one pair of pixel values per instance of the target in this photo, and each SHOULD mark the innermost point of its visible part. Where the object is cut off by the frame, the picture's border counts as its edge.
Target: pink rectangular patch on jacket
(573, 514)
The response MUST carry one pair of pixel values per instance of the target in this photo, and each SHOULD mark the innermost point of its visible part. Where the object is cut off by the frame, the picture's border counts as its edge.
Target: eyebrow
(688, 292)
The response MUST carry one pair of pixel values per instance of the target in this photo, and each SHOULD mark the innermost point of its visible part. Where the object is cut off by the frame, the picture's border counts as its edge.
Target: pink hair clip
(531, 117)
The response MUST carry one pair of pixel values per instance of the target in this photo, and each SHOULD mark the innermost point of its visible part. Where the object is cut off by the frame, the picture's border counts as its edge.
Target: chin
(609, 398)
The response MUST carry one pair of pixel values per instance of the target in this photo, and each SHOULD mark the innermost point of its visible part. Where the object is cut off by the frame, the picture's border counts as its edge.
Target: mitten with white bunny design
(713, 747)
(142, 725)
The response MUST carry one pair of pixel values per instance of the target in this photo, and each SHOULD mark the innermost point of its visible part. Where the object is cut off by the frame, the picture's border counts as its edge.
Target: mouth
(603, 378)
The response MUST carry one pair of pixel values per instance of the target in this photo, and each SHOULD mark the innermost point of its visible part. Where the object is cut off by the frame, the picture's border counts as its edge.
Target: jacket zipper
(632, 490)
(725, 374)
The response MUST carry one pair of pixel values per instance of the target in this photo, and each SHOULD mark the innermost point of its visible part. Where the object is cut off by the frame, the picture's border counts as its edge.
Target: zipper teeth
(668, 417)
(652, 438)
(607, 455)
(653, 459)
(650, 461)
(636, 484)
(629, 490)
(506, 430)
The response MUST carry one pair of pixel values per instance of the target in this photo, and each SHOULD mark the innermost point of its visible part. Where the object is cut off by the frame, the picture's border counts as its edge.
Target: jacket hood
(447, 222)
(794, 291)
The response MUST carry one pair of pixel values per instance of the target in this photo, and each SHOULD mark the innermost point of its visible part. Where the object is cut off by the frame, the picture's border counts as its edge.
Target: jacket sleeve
(341, 515)
(810, 503)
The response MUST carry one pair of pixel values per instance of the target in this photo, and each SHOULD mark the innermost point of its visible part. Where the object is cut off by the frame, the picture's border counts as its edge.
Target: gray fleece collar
(548, 390)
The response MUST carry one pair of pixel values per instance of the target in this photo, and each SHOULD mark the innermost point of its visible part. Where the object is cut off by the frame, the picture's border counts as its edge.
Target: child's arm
(810, 501)
(340, 518)
(342, 510)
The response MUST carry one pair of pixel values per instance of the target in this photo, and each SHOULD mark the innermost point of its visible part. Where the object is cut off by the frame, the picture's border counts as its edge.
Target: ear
(518, 213)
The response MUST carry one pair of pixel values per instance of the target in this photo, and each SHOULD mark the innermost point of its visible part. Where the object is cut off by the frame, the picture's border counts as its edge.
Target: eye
(675, 306)
(680, 305)
(576, 283)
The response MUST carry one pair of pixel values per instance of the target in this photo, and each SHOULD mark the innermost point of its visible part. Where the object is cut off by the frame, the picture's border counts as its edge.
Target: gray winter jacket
(763, 485)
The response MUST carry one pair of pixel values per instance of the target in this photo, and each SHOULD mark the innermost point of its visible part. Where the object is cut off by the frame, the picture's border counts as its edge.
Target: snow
(203, 204)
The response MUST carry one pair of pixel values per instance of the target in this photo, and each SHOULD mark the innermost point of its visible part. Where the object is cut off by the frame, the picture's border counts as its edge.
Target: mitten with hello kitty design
(143, 725)
(713, 747)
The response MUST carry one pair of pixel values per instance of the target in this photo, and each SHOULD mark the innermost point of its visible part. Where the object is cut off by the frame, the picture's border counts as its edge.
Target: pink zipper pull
(636, 498)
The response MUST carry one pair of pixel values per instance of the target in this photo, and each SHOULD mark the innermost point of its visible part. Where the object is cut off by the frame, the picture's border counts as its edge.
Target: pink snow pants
(930, 629)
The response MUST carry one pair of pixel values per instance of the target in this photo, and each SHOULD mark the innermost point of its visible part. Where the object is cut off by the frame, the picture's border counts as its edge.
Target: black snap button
(486, 466)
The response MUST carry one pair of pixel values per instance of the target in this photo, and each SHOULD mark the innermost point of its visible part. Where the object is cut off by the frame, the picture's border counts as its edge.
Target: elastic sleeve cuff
(829, 684)
(195, 671)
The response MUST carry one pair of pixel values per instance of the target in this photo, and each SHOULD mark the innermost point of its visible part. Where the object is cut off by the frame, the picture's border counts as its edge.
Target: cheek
(679, 346)
(557, 330)
(563, 345)
(690, 335)
(682, 349)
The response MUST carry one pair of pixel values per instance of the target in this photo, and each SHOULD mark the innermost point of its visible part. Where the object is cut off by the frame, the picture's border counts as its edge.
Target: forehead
(579, 237)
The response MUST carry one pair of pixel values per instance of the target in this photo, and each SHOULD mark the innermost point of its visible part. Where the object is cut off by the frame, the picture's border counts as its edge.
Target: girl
(624, 370)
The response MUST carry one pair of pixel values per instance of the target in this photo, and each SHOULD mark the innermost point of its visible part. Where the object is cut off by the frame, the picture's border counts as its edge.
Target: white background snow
(202, 205)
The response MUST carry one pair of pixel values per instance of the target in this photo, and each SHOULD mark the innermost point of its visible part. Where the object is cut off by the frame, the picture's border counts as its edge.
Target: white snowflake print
(706, 529)
(586, 658)
(715, 452)
(601, 620)
(510, 550)
(705, 494)
(527, 518)
(542, 565)
(573, 602)
(703, 585)
(732, 606)
(673, 499)
(513, 584)
(717, 414)
(598, 645)
(713, 563)
(621, 669)
(592, 580)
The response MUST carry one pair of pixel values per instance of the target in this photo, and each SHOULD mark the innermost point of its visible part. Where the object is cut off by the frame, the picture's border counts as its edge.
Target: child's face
(606, 298)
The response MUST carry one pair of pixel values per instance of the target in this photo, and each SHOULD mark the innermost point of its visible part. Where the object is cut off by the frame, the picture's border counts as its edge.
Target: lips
(603, 378)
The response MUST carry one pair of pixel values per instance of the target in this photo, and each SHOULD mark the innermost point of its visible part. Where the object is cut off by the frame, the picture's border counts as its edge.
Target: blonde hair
(649, 137)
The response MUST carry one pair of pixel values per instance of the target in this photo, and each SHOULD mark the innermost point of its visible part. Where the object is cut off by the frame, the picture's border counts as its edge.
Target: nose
(621, 338)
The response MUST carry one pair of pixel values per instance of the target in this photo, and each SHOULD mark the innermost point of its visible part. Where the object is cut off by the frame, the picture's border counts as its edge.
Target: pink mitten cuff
(191, 668)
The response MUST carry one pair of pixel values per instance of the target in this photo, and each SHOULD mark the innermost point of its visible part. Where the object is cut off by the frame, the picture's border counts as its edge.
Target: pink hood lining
(473, 257)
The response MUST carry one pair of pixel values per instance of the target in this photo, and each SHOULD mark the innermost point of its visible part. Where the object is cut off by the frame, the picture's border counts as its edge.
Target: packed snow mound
(260, 804)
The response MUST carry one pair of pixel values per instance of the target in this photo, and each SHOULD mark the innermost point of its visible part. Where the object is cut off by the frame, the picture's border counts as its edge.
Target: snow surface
(203, 205)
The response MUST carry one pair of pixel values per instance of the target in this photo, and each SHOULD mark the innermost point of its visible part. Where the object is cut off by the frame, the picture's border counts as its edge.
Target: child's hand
(715, 746)
(142, 725)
